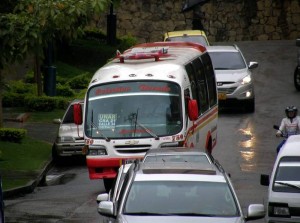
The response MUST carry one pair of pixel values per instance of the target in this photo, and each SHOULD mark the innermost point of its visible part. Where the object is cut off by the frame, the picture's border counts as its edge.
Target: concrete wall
(222, 20)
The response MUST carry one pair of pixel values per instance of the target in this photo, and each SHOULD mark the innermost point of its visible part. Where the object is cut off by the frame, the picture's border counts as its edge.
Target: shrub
(12, 99)
(12, 134)
(126, 42)
(65, 91)
(81, 93)
(43, 103)
(79, 81)
(62, 102)
(61, 80)
(21, 87)
(29, 77)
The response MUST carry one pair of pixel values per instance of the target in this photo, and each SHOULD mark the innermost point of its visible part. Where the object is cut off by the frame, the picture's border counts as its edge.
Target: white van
(284, 184)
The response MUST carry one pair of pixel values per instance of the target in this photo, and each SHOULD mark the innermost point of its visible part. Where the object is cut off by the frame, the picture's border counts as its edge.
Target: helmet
(291, 111)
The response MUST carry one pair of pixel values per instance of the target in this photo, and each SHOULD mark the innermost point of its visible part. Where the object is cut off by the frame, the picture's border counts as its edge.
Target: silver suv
(234, 76)
(177, 192)
(69, 140)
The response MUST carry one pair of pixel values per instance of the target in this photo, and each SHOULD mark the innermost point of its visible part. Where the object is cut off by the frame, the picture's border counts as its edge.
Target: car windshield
(197, 39)
(133, 110)
(177, 158)
(190, 198)
(287, 178)
(227, 60)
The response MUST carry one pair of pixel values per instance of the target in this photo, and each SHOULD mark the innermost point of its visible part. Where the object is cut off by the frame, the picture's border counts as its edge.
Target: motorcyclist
(289, 125)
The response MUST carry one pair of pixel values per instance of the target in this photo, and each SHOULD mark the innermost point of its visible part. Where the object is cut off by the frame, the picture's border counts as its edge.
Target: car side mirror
(253, 65)
(77, 112)
(57, 121)
(102, 197)
(106, 208)
(264, 180)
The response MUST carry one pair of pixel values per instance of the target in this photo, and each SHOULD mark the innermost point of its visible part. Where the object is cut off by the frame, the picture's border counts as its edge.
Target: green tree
(32, 24)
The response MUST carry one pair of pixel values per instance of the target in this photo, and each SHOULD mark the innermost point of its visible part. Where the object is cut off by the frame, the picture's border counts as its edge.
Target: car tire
(55, 157)
(108, 182)
(250, 105)
(297, 78)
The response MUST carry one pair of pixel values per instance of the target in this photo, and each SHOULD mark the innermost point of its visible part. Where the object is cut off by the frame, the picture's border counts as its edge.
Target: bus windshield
(133, 110)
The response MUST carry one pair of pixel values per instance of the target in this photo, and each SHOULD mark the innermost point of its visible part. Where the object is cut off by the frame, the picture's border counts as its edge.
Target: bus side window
(187, 97)
(211, 79)
(201, 84)
(191, 74)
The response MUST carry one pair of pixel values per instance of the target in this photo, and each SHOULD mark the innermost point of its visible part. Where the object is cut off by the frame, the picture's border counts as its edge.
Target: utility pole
(111, 25)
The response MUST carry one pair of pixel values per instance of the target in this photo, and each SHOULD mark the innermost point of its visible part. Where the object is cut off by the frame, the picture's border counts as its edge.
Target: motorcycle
(283, 135)
(297, 70)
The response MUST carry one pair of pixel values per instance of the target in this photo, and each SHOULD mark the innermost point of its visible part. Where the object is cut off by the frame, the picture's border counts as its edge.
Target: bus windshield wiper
(142, 126)
(147, 130)
(98, 130)
(288, 184)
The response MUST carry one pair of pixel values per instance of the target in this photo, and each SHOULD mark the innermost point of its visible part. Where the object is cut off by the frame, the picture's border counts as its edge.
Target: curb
(28, 188)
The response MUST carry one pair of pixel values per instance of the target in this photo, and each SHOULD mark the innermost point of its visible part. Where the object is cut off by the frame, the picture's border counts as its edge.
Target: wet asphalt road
(246, 145)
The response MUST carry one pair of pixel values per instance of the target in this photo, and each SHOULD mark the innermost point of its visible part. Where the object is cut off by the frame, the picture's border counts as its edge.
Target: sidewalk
(40, 131)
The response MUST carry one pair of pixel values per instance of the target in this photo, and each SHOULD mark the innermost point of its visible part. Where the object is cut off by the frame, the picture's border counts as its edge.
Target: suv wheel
(55, 157)
(250, 105)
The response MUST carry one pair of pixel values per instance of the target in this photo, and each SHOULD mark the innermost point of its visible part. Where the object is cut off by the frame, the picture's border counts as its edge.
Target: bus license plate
(221, 96)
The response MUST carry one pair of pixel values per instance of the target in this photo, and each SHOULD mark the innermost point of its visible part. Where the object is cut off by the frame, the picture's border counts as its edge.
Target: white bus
(154, 95)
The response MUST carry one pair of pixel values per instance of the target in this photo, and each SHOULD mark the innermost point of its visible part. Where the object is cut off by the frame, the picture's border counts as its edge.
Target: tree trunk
(38, 75)
(1, 92)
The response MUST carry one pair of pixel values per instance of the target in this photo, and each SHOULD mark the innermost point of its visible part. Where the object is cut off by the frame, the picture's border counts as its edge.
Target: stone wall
(222, 20)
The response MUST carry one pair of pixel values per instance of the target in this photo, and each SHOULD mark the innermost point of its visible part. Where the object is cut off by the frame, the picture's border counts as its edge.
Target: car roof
(291, 147)
(223, 48)
(77, 100)
(174, 150)
(185, 32)
(179, 171)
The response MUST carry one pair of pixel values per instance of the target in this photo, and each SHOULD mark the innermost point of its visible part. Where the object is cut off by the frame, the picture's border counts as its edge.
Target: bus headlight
(172, 144)
(97, 151)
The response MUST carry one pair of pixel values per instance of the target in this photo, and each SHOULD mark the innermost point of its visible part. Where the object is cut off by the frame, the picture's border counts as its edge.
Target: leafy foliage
(12, 134)
(64, 90)
(43, 103)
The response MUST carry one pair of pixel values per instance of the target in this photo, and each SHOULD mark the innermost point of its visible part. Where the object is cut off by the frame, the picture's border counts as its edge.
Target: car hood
(178, 219)
(71, 130)
(230, 75)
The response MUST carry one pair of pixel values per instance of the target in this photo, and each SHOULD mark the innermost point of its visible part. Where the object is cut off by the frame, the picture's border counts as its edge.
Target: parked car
(1, 203)
(69, 140)
(177, 154)
(197, 36)
(234, 76)
(283, 204)
(177, 192)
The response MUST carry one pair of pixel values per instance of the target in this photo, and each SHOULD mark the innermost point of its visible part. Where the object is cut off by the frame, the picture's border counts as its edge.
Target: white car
(177, 154)
(69, 140)
(234, 76)
(284, 184)
(177, 192)
(113, 193)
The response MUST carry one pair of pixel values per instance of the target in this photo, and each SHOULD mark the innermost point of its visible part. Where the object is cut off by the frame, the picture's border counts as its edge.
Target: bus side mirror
(193, 109)
(77, 112)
